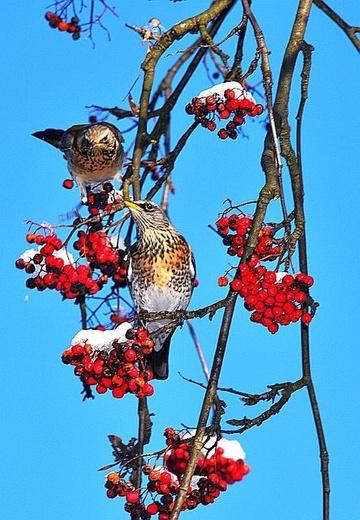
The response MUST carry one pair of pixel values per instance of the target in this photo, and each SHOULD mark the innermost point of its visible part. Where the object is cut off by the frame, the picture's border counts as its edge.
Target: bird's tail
(50, 135)
(158, 361)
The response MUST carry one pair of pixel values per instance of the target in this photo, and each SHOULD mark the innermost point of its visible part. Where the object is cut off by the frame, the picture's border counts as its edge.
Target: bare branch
(349, 30)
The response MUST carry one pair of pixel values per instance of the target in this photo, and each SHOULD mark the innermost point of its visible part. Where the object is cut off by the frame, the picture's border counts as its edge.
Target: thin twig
(199, 350)
(305, 338)
(349, 30)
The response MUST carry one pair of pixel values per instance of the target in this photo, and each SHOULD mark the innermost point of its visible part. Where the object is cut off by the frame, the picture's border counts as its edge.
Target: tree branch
(209, 398)
(349, 30)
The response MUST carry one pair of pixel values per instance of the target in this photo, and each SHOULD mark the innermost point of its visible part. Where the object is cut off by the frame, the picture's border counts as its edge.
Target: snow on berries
(227, 100)
(112, 360)
(221, 463)
(52, 266)
(273, 298)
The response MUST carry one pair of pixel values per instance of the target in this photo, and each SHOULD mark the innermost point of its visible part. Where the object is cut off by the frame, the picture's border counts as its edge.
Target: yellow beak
(131, 205)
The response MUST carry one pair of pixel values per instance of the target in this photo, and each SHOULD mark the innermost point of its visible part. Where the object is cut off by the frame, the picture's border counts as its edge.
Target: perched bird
(94, 152)
(161, 274)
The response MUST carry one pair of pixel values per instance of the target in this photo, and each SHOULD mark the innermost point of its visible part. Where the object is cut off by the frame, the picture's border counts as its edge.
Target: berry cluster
(117, 486)
(52, 267)
(266, 248)
(212, 476)
(224, 101)
(102, 200)
(56, 22)
(101, 253)
(273, 298)
(212, 460)
(118, 367)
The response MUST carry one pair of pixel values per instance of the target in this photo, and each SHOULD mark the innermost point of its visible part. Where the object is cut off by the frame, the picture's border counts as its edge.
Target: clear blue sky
(52, 443)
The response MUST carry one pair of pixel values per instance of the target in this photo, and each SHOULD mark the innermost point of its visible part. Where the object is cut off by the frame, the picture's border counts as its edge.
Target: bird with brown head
(94, 152)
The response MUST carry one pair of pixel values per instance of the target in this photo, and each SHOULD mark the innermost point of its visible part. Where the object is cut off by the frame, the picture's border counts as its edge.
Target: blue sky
(52, 442)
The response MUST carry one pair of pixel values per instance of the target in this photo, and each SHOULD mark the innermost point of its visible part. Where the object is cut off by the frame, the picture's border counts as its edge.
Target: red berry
(148, 389)
(153, 508)
(232, 104)
(165, 477)
(277, 311)
(63, 26)
(229, 93)
(238, 120)
(222, 133)
(309, 280)
(211, 125)
(280, 298)
(118, 392)
(111, 493)
(132, 497)
(71, 28)
(210, 100)
(288, 279)
(300, 297)
(236, 284)
(262, 295)
(211, 108)
(273, 328)
(130, 355)
(306, 318)
(222, 485)
(288, 307)
(223, 281)
(224, 114)
(270, 277)
(30, 237)
(251, 300)
(101, 389)
(68, 184)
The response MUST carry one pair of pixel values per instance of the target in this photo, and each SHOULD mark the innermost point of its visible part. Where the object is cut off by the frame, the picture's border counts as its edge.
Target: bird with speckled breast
(161, 275)
(93, 152)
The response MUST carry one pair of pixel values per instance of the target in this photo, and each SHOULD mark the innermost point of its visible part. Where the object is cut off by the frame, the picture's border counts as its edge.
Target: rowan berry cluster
(119, 367)
(100, 200)
(52, 267)
(212, 476)
(267, 247)
(103, 199)
(273, 298)
(101, 253)
(222, 102)
(212, 460)
(56, 22)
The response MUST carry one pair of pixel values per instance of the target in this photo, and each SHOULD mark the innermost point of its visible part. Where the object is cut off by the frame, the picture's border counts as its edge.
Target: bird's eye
(104, 139)
(148, 206)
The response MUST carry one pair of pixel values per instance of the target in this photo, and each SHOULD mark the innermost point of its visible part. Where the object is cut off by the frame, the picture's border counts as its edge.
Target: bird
(93, 152)
(161, 275)
(150, 31)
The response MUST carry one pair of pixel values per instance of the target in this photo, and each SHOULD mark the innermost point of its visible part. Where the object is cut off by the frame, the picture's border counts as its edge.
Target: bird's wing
(67, 139)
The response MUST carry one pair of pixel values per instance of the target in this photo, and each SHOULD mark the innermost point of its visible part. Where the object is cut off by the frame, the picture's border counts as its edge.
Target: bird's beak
(131, 205)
